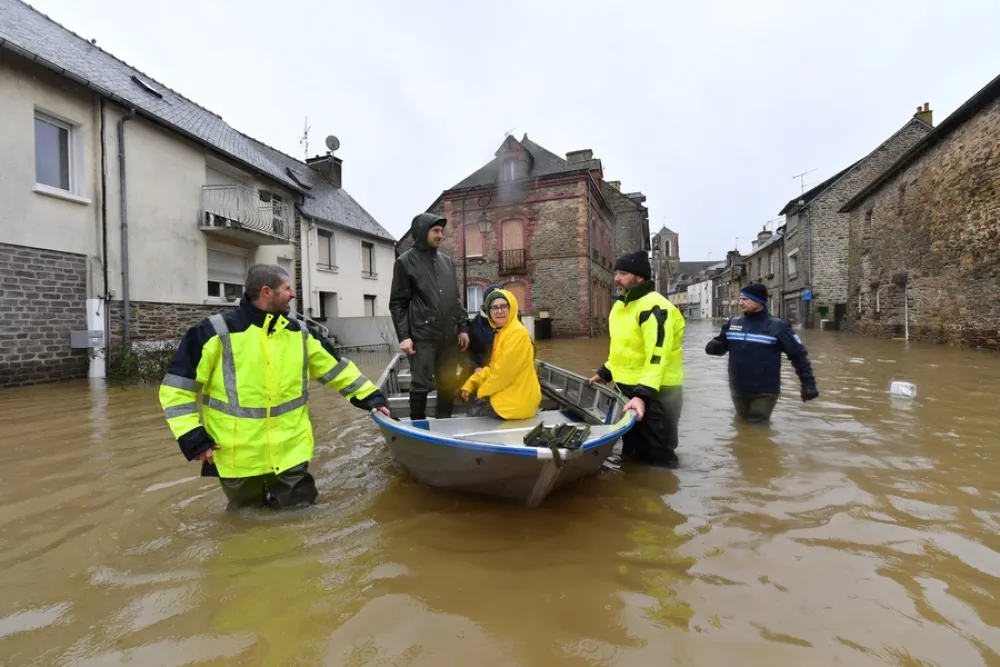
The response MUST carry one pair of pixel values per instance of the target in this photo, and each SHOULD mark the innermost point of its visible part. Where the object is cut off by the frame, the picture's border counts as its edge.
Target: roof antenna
(507, 133)
(305, 137)
(801, 178)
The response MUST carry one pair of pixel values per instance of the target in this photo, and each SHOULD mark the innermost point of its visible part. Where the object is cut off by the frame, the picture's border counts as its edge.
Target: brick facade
(827, 244)
(554, 224)
(43, 294)
(927, 242)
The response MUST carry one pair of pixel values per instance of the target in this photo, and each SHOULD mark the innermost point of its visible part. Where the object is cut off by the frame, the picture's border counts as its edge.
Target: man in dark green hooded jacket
(430, 320)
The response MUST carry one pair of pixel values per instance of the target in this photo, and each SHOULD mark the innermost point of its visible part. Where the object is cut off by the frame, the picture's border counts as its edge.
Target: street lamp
(485, 225)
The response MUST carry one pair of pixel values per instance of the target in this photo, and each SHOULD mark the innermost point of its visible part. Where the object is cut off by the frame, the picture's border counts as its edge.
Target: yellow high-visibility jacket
(510, 381)
(253, 370)
(646, 332)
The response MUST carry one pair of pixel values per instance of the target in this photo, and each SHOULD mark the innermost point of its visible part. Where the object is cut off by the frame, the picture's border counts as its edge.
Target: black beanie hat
(755, 292)
(636, 263)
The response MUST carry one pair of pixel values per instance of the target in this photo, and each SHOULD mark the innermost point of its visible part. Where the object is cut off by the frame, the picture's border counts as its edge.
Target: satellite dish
(332, 142)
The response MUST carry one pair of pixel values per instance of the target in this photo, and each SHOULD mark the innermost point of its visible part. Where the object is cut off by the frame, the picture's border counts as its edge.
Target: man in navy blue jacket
(755, 342)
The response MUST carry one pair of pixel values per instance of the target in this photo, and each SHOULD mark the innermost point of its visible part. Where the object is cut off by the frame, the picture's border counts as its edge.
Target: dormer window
(509, 169)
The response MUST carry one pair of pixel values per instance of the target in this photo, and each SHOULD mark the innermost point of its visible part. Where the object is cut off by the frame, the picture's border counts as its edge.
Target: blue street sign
(807, 294)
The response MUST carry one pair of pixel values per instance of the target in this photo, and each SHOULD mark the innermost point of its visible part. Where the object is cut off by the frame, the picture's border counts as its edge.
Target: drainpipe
(106, 296)
(126, 303)
(906, 310)
(812, 294)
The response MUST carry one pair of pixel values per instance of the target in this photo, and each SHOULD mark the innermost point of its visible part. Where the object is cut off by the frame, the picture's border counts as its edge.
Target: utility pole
(801, 178)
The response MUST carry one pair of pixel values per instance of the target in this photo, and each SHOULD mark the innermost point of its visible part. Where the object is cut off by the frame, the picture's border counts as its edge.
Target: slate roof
(812, 193)
(323, 201)
(29, 33)
(544, 163)
(985, 96)
(693, 268)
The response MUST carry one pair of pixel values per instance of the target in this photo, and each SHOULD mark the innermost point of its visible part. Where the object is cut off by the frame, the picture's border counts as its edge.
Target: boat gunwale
(624, 423)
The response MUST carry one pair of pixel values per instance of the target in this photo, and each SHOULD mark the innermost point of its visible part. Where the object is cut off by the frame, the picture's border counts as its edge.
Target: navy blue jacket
(480, 341)
(755, 342)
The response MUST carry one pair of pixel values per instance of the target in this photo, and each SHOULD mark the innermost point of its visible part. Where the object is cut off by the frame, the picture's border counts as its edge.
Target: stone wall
(631, 220)
(759, 270)
(159, 321)
(43, 295)
(932, 243)
(831, 229)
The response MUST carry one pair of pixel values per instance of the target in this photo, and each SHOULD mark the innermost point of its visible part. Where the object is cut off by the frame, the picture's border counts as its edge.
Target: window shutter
(226, 267)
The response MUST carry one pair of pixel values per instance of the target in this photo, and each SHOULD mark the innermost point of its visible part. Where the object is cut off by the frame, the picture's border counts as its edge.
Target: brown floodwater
(858, 529)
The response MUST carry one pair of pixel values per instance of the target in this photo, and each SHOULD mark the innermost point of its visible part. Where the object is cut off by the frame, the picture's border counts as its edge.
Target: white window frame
(473, 298)
(220, 297)
(74, 157)
(374, 299)
(332, 268)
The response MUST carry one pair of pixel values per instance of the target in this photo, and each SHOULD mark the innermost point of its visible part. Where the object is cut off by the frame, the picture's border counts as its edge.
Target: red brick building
(552, 234)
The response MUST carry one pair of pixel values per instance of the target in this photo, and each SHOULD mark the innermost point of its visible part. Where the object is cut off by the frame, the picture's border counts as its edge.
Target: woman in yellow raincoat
(508, 387)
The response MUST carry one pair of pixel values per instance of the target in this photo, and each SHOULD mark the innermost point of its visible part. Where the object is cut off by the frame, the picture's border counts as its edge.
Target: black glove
(715, 348)
(809, 393)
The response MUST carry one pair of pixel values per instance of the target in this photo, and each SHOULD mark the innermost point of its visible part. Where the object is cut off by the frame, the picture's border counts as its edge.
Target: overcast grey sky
(708, 107)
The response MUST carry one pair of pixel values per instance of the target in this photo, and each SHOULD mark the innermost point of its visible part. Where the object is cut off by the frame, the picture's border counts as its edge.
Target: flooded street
(858, 529)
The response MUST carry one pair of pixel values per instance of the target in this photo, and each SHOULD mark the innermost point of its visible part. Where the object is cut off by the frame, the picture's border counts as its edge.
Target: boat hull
(487, 456)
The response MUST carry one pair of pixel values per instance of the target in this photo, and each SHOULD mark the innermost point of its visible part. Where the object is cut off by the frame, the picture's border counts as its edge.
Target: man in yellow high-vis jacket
(644, 361)
(253, 366)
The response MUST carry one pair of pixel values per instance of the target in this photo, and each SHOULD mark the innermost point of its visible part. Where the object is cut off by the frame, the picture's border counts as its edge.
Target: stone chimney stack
(925, 114)
(579, 156)
(617, 185)
(330, 166)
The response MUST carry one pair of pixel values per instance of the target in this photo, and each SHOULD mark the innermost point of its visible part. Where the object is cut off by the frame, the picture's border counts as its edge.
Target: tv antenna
(332, 143)
(304, 140)
(507, 133)
(801, 178)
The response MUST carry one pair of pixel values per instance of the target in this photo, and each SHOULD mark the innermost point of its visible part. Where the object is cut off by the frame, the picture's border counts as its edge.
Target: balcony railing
(512, 261)
(240, 211)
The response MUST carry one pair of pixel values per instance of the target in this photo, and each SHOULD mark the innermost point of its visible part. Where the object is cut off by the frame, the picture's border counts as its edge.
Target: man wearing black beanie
(644, 362)
(755, 342)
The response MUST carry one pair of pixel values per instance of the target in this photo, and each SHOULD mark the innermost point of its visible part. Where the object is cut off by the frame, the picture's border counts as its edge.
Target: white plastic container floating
(903, 389)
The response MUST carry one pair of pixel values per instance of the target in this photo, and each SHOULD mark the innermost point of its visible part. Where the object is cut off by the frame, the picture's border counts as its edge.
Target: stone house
(132, 212)
(726, 285)
(925, 235)
(544, 226)
(765, 264)
(631, 218)
(816, 231)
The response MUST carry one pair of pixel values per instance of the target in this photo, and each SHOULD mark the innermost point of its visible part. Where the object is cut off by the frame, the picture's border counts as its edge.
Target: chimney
(925, 114)
(579, 156)
(617, 185)
(762, 236)
(328, 165)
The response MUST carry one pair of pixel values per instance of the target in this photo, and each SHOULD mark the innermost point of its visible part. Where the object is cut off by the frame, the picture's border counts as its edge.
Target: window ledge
(50, 191)
(328, 269)
(219, 301)
(369, 277)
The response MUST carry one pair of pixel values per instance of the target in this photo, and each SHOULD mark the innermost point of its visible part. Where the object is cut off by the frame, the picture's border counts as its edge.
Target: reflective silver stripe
(256, 413)
(228, 362)
(337, 370)
(354, 386)
(181, 410)
(305, 366)
(178, 382)
(232, 406)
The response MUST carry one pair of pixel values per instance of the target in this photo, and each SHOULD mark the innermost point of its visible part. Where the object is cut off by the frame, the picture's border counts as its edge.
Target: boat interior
(566, 399)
